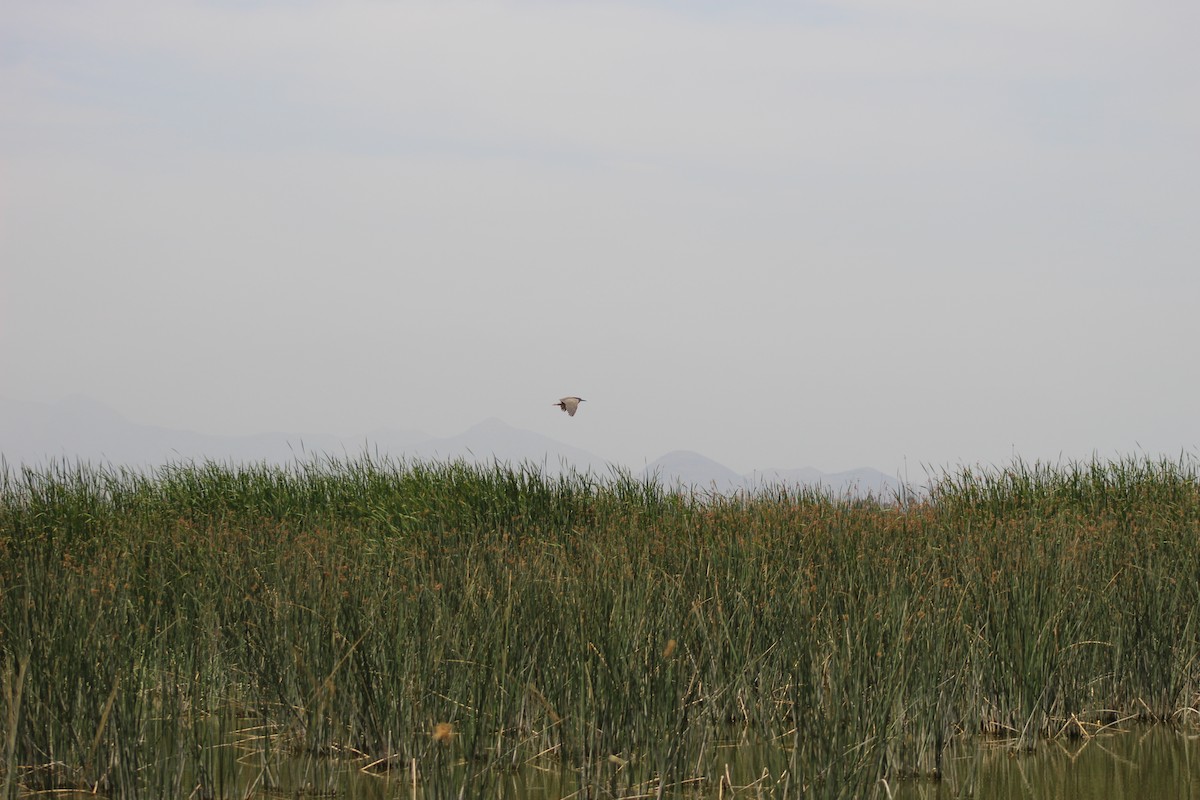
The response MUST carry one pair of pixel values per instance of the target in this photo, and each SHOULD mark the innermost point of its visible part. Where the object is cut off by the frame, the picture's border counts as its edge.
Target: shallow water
(1144, 762)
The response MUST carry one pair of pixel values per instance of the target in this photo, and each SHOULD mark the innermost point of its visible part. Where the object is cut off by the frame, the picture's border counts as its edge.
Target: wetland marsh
(450, 630)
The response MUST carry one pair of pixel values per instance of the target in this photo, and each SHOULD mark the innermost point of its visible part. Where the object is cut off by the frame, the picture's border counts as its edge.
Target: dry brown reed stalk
(12, 688)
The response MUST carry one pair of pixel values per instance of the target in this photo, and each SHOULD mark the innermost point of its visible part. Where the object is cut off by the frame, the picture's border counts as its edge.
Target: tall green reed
(616, 634)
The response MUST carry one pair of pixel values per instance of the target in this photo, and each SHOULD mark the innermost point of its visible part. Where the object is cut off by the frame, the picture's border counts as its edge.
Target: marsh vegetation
(459, 631)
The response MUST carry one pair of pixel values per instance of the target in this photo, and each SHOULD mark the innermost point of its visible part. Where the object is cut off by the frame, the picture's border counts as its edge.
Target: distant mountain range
(79, 428)
(683, 468)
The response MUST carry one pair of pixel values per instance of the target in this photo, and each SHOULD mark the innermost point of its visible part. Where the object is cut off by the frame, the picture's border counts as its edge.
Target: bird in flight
(570, 404)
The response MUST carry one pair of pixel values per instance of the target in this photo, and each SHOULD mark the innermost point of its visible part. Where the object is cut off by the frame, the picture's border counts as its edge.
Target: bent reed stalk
(468, 624)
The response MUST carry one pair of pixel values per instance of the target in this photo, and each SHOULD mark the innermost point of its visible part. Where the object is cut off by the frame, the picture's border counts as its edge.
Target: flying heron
(570, 404)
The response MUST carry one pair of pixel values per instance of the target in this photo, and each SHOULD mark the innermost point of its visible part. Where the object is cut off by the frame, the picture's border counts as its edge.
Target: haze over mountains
(80, 428)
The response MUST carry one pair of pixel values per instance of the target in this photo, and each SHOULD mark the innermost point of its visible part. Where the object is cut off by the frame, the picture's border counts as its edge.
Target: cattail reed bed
(459, 628)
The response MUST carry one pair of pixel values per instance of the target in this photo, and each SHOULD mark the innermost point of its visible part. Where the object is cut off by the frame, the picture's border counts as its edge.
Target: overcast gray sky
(781, 234)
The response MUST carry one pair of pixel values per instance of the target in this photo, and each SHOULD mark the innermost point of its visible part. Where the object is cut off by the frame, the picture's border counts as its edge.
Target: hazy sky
(779, 233)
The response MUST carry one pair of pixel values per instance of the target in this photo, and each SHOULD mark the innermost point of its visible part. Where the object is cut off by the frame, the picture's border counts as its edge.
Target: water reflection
(1146, 762)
